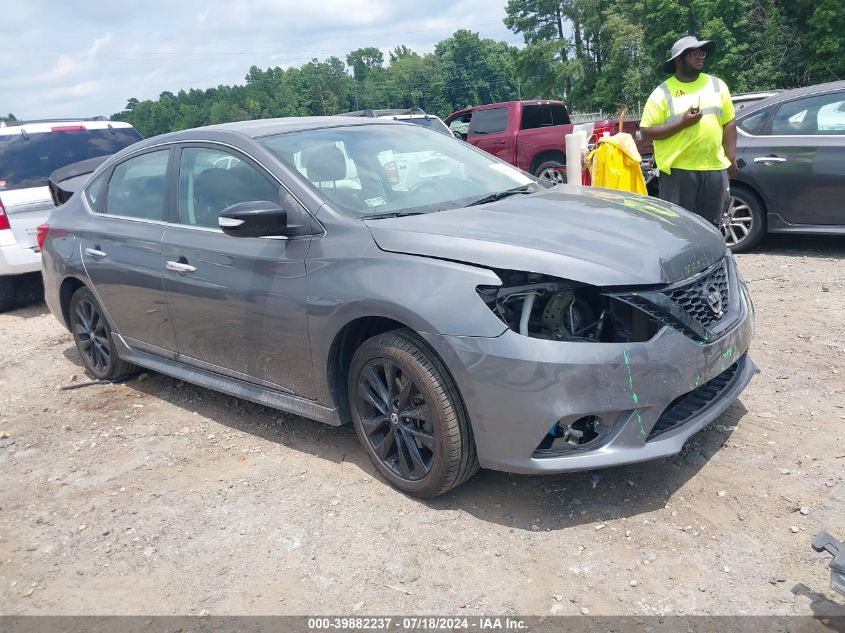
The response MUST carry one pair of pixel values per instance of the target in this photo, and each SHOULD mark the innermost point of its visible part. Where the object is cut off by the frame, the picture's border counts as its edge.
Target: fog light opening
(581, 431)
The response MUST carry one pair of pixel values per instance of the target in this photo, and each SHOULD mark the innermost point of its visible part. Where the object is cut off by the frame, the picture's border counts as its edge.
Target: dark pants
(706, 193)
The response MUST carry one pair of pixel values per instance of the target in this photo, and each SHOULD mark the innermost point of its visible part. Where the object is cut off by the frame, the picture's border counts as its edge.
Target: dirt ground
(158, 497)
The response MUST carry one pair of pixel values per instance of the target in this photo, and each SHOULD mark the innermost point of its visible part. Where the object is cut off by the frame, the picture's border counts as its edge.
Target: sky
(79, 58)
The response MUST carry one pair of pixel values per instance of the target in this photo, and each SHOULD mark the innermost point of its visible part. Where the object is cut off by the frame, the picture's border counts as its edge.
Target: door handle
(95, 253)
(498, 143)
(180, 267)
(769, 160)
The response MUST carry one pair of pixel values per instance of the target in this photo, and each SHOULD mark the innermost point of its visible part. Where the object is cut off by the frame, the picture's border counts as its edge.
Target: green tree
(471, 70)
(365, 61)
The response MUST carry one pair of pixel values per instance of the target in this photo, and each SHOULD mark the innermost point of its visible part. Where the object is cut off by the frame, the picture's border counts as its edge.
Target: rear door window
(137, 188)
(534, 116)
(27, 161)
(490, 121)
(543, 115)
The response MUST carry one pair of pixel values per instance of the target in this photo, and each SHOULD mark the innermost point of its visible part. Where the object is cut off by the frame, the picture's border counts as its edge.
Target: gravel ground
(158, 497)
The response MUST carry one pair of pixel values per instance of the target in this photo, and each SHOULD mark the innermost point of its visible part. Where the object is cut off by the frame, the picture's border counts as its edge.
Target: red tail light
(41, 235)
(4, 219)
(68, 128)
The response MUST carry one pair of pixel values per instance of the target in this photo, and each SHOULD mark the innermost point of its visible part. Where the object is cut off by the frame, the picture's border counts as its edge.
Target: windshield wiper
(392, 214)
(502, 194)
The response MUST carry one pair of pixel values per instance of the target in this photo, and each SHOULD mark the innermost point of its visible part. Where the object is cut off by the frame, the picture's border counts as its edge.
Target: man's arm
(658, 132)
(729, 143)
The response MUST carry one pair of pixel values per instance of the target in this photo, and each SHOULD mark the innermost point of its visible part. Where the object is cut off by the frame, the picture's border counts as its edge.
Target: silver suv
(29, 152)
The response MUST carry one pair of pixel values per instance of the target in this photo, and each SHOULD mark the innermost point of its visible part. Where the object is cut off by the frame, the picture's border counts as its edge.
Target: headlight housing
(544, 307)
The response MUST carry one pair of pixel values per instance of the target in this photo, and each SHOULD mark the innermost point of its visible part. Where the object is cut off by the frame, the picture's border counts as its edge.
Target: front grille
(697, 307)
(693, 297)
(685, 407)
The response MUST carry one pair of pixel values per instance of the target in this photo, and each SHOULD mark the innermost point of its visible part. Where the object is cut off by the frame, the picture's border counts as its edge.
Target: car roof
(259, 128)
(789, 95)
(266, 127)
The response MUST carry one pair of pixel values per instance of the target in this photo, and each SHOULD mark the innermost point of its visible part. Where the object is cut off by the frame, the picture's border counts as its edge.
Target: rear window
(29, 162)
(489, 121)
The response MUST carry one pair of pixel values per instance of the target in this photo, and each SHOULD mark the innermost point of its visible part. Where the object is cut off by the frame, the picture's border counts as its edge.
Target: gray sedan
(455, 310)
(791, 154)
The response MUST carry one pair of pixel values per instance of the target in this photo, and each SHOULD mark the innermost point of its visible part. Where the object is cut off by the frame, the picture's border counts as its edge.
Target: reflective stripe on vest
(674, 117)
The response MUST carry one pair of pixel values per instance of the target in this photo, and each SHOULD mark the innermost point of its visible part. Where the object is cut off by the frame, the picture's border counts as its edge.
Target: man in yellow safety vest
(690, 118)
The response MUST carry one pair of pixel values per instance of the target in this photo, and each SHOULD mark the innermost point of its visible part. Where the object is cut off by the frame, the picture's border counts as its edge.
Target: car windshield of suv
(368, 170)
(28, 161)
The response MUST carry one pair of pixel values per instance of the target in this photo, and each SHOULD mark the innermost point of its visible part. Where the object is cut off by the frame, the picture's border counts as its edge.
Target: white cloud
(146, 48)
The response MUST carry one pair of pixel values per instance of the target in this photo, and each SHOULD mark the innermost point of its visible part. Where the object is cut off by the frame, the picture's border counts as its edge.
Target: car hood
(597, 236)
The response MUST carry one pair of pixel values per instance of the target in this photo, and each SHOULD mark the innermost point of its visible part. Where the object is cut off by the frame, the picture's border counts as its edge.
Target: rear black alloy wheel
(737, 222)
(743, 222)
(409, 416)
(92, 335)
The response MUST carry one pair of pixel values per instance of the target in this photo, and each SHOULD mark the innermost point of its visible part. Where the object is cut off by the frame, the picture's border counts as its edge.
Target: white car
(29, 152)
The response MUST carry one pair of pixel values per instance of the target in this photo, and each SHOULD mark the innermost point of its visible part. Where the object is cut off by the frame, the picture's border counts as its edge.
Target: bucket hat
(682, 46)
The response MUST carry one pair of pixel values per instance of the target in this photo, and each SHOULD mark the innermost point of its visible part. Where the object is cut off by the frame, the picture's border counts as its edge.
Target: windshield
(29, 161)
(368, 170)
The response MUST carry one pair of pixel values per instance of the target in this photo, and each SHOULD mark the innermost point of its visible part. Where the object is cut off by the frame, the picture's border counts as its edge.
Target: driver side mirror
(257, 218)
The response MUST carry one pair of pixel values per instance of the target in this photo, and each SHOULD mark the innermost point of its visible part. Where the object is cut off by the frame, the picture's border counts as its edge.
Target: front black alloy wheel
(93, 339)
(396, 418)
(408, 415)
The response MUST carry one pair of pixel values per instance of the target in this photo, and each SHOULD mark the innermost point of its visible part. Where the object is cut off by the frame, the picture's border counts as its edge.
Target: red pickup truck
(530, 134)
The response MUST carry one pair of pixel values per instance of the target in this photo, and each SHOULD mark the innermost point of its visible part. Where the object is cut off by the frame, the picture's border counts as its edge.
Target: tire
(93, 338)
(8, 293)
(547, 171)
(743, 225)
(393, 374)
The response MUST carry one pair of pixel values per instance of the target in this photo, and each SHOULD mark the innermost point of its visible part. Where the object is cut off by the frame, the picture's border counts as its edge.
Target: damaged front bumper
(642, 400)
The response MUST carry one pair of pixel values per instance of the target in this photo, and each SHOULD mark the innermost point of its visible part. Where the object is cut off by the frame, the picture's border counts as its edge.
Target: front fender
(430, 296)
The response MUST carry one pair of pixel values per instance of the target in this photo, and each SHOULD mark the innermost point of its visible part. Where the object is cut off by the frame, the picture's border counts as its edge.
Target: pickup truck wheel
(548, 171)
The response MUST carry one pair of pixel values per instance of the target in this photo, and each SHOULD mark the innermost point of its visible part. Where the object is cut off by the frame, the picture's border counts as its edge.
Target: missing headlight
(555, 309)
